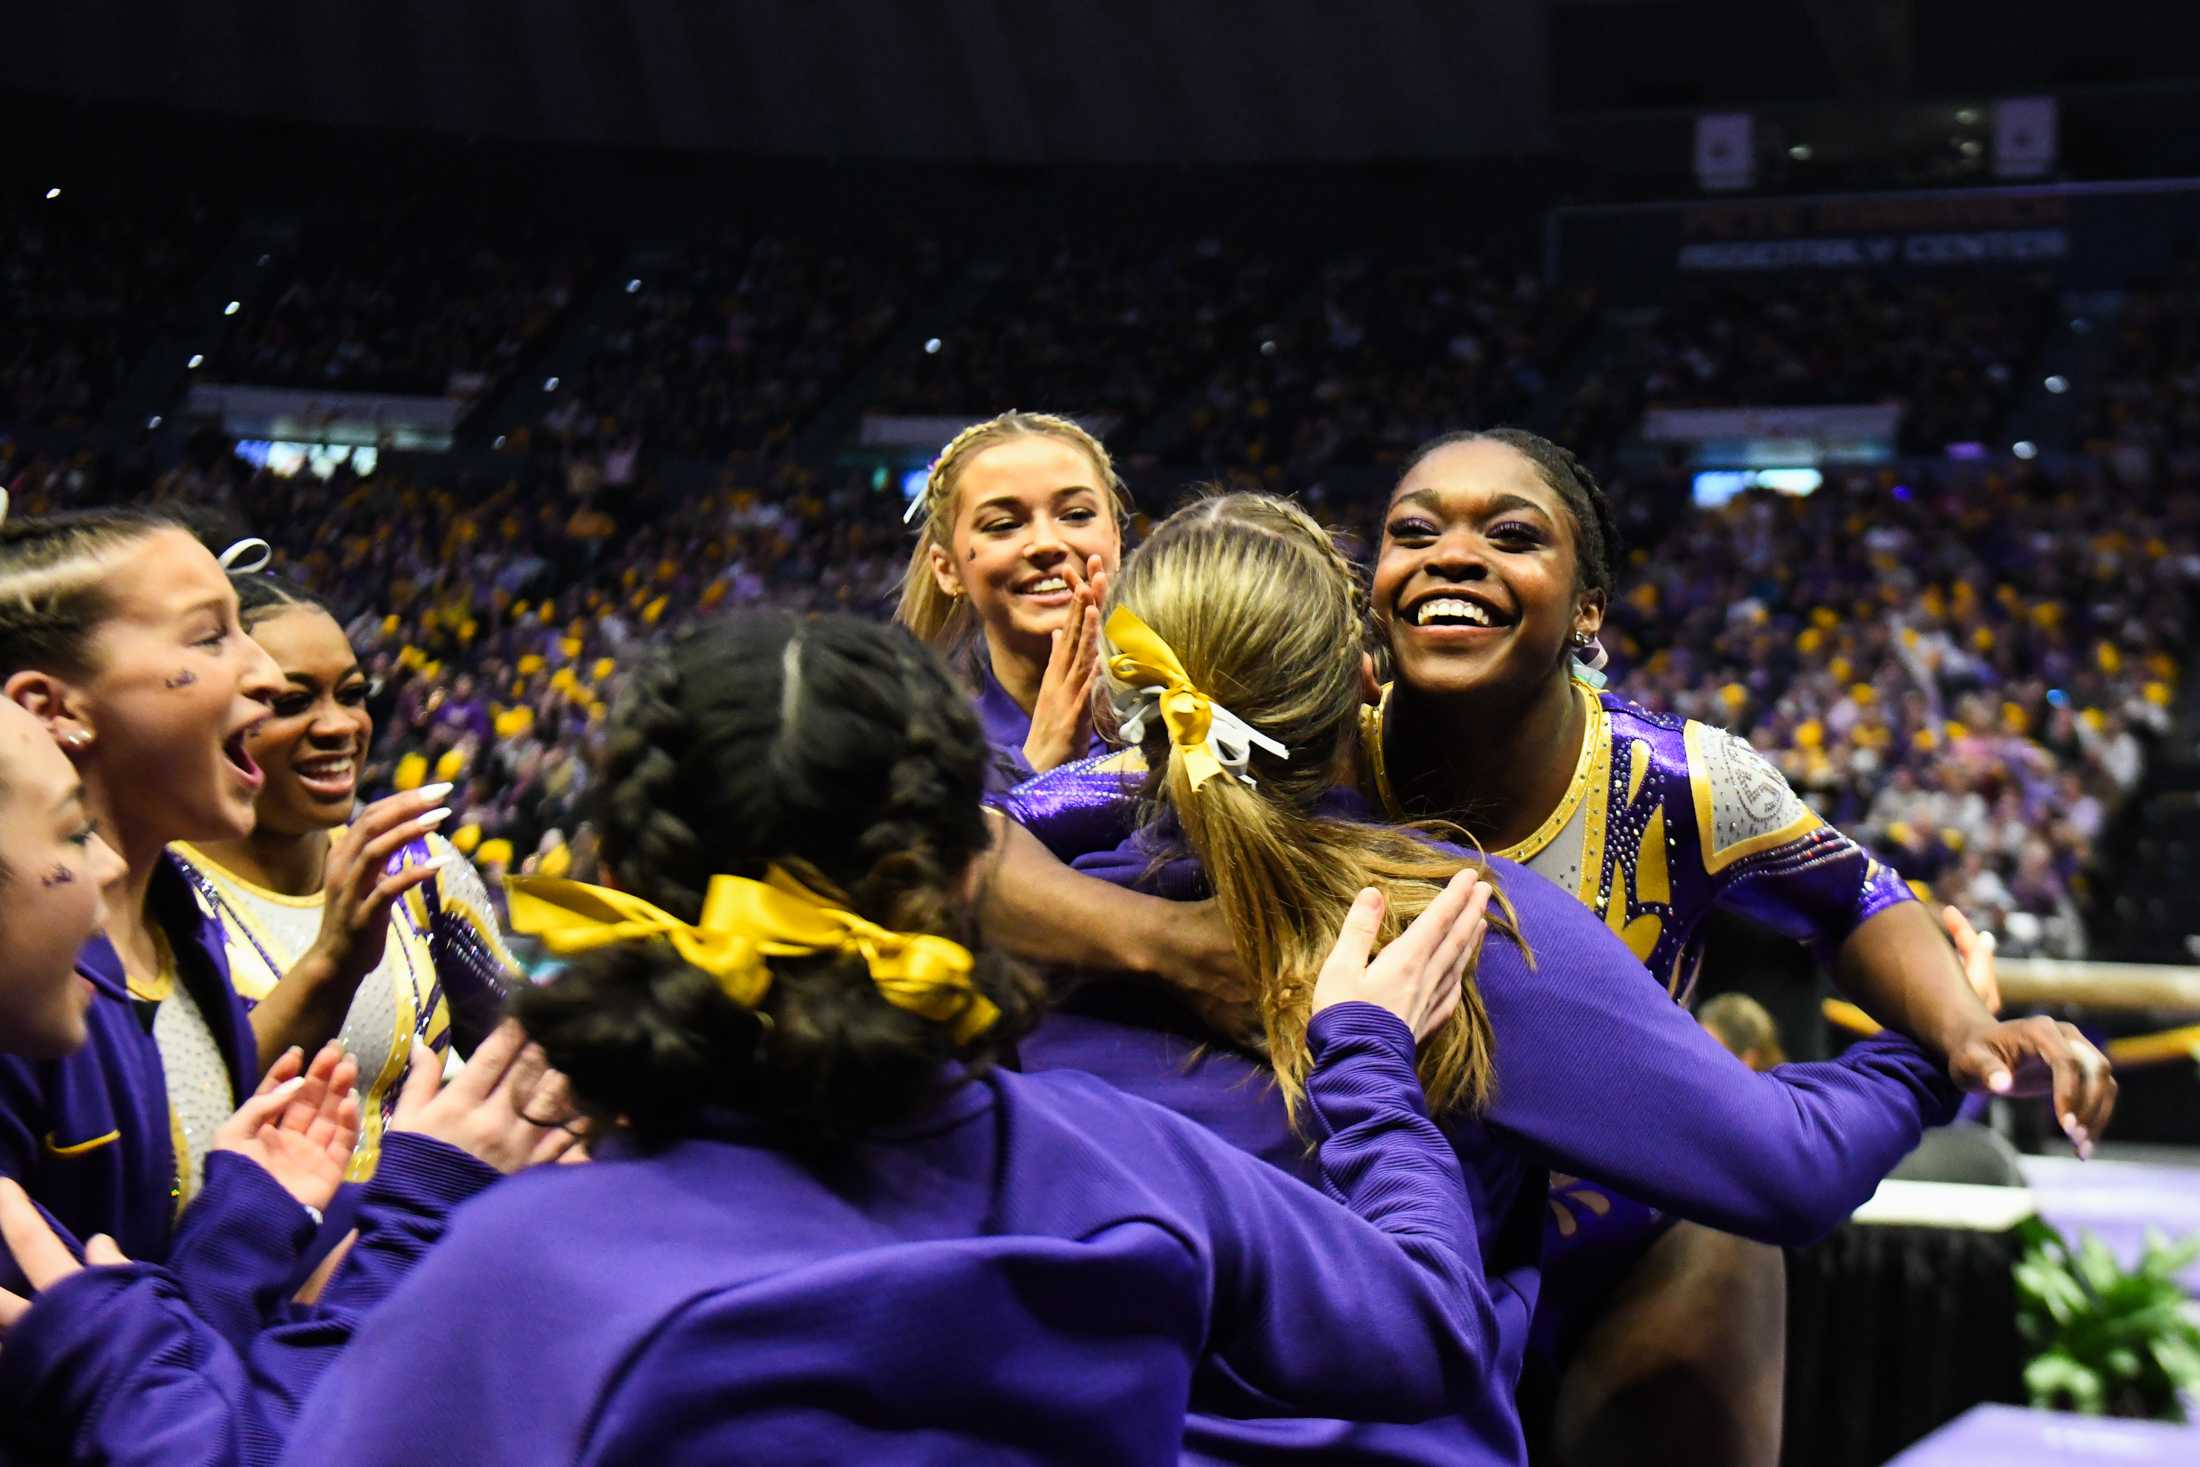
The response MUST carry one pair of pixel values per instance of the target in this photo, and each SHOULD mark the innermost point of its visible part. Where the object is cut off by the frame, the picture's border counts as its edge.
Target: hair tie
(1206, 735)
(232, 560)
(744, 922)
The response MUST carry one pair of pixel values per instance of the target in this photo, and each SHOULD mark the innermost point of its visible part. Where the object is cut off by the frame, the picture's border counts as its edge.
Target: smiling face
(53, 866)
(1028, 513)
(174, 689)
(313, 745)
(1477, 586)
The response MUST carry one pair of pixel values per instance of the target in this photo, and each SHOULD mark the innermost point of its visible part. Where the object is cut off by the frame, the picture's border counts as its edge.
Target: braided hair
(841, 751)
(263, 594)
(53, 595)
(1596, 529)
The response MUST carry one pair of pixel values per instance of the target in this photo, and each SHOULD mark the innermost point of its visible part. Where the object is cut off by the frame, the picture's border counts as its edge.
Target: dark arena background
(528, 331)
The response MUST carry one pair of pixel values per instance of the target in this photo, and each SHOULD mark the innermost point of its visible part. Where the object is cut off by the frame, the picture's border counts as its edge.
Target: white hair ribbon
(235, 558)
(1207, 736)
(1230, 739)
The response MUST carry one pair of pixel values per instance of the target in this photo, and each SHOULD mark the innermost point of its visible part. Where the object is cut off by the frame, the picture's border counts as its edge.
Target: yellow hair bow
(1208, 737)
(745, 922)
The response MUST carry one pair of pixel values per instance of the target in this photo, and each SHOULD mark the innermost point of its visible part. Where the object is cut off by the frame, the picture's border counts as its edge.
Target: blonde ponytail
(1264, 614)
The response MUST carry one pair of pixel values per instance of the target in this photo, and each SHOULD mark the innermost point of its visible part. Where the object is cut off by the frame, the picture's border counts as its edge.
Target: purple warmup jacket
(88, 1136)
(203, 1363)
(1040, 1269)
(1599, 1075)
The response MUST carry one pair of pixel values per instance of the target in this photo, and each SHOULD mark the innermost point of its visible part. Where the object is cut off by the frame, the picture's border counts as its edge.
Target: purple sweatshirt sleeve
(417, 1183)
(111, 1366)
(1294, 1277)
(116, 1365)
(238, 1247)
(1599, 1075)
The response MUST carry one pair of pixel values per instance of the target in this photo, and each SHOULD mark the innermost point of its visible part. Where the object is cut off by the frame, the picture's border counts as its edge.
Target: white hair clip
(239, 559)
(4, 498)
(1229, 738)
(916, 503)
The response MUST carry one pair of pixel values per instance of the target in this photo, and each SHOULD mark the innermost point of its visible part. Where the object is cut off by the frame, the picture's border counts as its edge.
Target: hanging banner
(2026, 136)
(1726, 150)
(2082, 234)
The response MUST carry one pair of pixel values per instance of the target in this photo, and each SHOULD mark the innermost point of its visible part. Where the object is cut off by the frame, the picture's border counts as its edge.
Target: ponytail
(1285, 879)
(1257, 606)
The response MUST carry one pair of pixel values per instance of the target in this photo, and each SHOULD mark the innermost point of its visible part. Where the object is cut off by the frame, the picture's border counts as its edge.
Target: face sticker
(182, 679)
(59, 876)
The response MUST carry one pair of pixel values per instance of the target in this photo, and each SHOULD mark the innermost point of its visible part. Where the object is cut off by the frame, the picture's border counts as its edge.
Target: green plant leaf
(2180, 1361)
(2107, 1338)
(2054, 1377)
(2164, 1260)
(2097, 1268)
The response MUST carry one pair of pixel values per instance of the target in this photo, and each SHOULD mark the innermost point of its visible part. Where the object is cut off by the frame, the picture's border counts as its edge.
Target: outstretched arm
(1599, 1074)
(1044, 911)
(1902, 971)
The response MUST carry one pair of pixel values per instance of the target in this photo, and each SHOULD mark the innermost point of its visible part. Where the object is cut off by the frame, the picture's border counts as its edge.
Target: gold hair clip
(1206, 735)
(744, 922)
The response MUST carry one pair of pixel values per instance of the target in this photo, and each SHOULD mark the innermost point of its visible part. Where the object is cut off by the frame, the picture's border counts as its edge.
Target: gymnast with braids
(823, 1223)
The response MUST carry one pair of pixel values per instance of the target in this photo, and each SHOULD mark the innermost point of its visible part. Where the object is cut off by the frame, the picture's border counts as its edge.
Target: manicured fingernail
(429, 793)
(1998, 1081)
(439, 863)
(435, 817)
(2070, 1123)
(294, 1052)
(288, 1087)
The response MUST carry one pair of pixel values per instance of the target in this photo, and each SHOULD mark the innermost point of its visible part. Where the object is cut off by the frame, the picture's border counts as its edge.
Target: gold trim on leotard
(1592, 771)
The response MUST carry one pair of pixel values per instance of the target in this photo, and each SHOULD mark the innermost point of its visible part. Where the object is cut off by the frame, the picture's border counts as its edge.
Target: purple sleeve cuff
(239, 1247)
(419, 1173)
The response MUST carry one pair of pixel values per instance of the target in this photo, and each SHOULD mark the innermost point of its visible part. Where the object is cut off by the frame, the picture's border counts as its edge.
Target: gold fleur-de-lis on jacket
(1567, 1193)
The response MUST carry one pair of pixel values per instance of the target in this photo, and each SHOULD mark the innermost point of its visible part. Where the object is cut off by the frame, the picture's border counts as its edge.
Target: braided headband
(231, 559)
(743, 923)
(1208, 737)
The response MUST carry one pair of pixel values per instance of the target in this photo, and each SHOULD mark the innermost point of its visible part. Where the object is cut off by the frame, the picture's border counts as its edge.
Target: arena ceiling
(950, 80)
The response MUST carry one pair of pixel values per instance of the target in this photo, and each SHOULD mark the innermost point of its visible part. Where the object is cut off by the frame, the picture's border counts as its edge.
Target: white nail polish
(287, 1088)
(429, 792)
(435, 817)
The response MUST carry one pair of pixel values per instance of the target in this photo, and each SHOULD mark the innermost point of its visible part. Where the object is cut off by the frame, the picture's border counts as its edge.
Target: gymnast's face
(1029, 513)
(1477, 584)
(172, 688)
(313, 744)
(53, 866)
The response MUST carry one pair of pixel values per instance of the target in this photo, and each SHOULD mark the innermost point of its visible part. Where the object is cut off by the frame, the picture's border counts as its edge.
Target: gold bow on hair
(1206, 735)
(745, 922)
